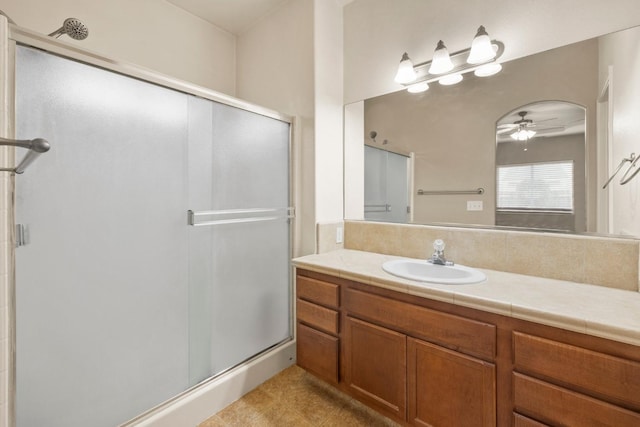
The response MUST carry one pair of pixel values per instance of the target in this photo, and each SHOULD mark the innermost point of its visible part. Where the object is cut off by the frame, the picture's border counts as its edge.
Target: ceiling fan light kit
(481, 59)
(542, 119)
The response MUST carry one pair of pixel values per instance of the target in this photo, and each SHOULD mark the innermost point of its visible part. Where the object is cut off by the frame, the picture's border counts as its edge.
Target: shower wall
(154, 34)
(121, 304)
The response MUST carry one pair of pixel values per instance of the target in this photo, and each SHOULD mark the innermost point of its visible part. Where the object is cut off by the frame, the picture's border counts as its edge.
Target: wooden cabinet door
(318, 353)
(375, 366)
(448, 389)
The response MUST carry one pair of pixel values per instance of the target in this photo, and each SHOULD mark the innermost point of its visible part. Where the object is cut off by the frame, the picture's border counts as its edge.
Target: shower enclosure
(156, 240)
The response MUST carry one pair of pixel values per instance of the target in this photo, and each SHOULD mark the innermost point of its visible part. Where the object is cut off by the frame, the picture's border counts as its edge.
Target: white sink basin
(424, 271)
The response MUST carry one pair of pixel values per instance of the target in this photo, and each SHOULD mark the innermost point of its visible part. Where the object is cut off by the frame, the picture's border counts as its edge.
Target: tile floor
(296, 398)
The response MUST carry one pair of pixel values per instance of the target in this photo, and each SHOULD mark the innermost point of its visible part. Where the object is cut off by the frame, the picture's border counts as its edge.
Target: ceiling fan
(523, 129)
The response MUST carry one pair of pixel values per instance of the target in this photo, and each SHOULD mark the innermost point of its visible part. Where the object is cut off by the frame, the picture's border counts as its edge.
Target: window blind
(536, 186)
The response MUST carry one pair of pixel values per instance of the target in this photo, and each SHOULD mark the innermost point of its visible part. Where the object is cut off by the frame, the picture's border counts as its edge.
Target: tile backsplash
(326, 237)
(604, 261)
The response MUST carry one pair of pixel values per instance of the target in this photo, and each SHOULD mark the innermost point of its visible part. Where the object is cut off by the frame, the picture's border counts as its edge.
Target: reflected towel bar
(630, 159)
(447, 192)
(238, 216)
(35, 146)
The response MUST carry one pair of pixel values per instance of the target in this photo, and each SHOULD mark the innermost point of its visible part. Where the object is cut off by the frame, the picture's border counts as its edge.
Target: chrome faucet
(438, 254)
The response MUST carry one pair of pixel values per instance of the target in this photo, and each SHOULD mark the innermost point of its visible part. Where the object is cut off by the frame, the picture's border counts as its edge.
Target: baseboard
(194, 407)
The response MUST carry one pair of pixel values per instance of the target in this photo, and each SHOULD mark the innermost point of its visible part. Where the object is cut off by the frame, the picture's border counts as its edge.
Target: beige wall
(377, 32)
(150, 33)
(329, 93)
(276, 69)
(620, 51)
(291, 61)
(451, 130)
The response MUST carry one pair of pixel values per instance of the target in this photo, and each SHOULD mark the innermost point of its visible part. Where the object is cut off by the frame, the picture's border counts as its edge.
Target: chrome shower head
(72, 27)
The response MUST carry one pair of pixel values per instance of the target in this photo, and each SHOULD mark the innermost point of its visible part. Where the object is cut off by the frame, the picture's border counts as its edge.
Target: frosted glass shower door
(120, 303)
(239, 283)
(101, 289)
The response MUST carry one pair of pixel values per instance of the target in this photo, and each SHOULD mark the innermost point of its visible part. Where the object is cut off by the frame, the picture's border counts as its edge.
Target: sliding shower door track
(194, 389)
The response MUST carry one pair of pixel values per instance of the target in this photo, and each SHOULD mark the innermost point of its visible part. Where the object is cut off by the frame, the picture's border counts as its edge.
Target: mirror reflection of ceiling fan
(524, 129)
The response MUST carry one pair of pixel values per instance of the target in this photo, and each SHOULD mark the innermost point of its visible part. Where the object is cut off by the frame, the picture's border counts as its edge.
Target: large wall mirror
(472, 164)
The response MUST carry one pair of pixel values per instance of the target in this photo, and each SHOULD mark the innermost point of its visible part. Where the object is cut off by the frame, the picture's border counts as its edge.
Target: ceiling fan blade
(551, 129)
(546, 120)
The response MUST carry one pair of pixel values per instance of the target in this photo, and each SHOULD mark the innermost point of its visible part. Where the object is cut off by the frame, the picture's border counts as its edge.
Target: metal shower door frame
(12, 35)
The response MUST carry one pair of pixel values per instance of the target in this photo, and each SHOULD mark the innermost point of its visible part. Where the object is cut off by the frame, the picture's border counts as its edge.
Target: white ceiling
(234, 16)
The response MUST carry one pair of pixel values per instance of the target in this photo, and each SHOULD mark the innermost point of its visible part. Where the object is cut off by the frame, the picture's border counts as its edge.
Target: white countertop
(594, 310)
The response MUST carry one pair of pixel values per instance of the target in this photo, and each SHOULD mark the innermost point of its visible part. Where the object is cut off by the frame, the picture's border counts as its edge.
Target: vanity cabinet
(429, 363)
(561, 384)
(397, 362)
(375, 366)
(318, 327)
(448, 388)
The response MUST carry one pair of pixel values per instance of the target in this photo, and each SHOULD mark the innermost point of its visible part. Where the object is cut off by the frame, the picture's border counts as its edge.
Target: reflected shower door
(386, 185)
(239, 282)
(101, 285)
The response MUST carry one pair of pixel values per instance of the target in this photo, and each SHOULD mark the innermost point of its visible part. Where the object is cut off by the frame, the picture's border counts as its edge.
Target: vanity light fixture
(488, 69)
(450, 79)
(418, 87)
(481, 58)
(441, 62)
(481, 48)
(406, 73)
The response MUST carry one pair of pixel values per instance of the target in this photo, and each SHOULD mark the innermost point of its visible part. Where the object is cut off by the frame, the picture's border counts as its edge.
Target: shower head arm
(57, 33)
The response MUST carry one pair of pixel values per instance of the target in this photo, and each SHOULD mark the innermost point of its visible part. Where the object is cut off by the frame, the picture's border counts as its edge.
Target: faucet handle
(439, 245)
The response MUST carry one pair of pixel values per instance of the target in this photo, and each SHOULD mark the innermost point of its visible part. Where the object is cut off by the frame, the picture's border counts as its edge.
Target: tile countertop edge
(337, 263)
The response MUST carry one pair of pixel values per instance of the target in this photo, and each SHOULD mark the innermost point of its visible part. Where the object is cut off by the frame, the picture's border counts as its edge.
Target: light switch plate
(339, 235)
(474, 205)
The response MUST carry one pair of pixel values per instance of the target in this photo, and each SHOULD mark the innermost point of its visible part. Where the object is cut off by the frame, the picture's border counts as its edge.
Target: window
(536, 186)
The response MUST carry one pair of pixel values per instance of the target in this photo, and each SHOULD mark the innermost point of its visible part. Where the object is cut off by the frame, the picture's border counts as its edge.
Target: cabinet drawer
(317, 352)
(522, 421)
(598, 374)
(558, 406)
(317, 316)
(317, 291)
(458, 333)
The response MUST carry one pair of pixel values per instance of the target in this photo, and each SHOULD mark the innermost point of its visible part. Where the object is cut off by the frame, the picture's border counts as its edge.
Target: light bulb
(418, 87)
(481, 48)
(523, 134)
(488, 70)
(441, 62)
(450, 79)
(406, 73)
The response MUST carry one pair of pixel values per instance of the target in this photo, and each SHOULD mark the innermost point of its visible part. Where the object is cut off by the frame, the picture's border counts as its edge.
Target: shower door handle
(21, 235)
(236, 216)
